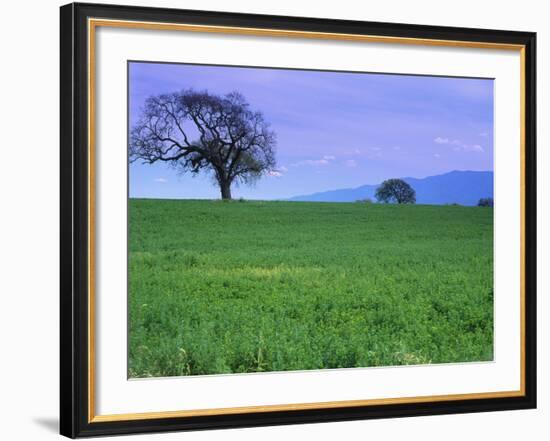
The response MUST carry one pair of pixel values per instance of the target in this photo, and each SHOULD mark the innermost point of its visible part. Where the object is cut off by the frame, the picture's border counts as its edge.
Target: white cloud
(278, 172)
(396, 147)
(459, 145)
(473, 148)
(329, 157)
(484, 134)
(437, 155)
(161, 180)
(375, 149)
(350, 163)
(316, 162)
(311, 162)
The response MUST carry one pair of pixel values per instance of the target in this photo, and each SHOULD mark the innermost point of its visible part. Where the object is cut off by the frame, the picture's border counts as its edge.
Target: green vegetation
(486, 202)
(221, 287)
(395, 191)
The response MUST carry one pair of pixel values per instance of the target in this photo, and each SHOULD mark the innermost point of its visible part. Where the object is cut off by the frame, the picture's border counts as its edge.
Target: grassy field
(220, 287)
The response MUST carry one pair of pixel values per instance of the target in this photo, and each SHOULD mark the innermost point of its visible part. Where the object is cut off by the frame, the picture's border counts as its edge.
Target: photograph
(287, 217)
(291, 220)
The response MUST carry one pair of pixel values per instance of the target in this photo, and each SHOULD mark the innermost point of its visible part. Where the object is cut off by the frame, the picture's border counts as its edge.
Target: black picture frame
(74, 191)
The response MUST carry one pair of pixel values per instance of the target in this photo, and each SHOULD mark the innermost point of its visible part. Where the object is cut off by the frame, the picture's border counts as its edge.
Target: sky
(334, 129)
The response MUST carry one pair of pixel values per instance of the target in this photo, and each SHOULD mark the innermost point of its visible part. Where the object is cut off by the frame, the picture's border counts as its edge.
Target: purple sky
(334, 130)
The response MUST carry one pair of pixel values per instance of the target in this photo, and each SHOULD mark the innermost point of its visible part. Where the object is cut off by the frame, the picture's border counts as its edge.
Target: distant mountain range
(460, 187)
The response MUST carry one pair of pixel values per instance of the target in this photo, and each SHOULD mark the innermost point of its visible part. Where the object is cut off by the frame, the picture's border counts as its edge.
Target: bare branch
(196, 131)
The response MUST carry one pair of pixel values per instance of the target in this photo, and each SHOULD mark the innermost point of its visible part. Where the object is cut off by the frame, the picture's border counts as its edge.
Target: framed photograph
(273, 220)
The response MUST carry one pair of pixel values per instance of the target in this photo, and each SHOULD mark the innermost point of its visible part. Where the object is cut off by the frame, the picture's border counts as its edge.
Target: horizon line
(289, 198)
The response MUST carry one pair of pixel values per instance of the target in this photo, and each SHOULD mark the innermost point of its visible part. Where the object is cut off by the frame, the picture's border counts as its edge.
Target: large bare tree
(198, 131)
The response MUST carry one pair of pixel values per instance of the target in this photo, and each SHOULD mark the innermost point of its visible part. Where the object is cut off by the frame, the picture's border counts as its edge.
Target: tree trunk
(225, 188)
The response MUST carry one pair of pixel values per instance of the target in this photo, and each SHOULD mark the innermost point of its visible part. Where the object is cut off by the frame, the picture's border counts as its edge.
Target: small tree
(395, 191)
(485, 202)
(364, 201)
(198, 131)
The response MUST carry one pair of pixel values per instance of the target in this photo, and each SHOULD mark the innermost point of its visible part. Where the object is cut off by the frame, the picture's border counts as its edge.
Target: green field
(221, 287)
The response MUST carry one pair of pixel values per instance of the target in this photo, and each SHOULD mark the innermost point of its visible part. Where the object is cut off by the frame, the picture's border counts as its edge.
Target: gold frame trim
(92, 25)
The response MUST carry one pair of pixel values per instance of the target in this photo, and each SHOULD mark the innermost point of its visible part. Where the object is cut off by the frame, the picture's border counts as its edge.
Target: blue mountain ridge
(456, 187)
